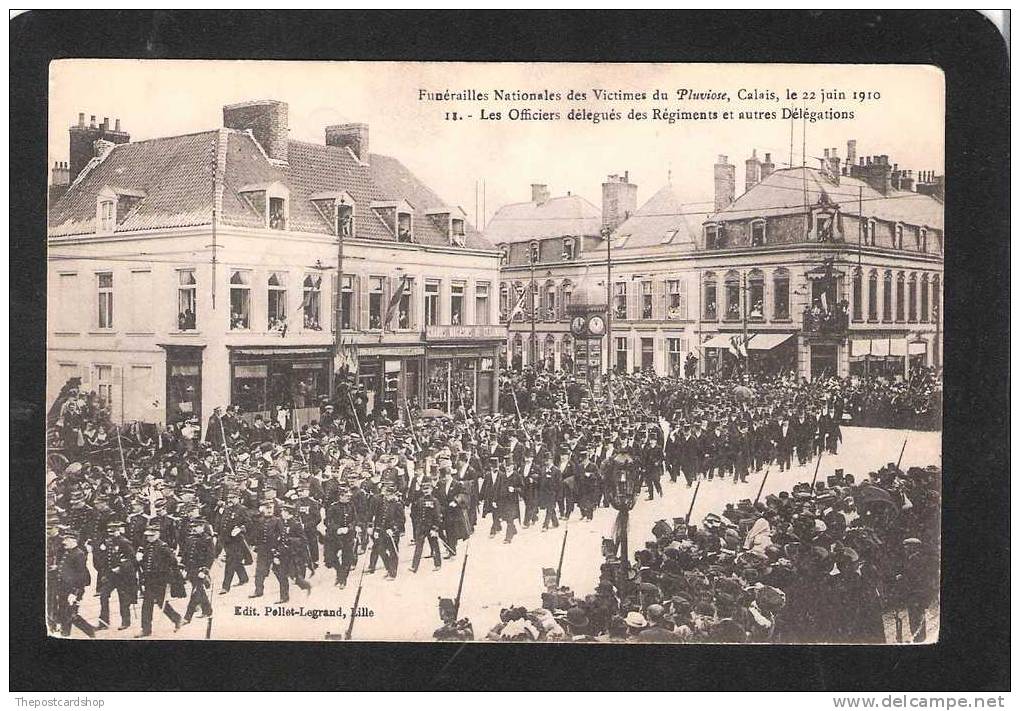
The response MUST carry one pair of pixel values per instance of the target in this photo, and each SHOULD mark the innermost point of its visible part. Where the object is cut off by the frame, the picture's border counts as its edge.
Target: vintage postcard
(610, 353)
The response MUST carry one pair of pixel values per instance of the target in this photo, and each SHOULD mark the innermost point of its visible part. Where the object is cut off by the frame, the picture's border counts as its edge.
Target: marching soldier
(72, 577)
(114, 559)
(309, 512)
(294, 553)
(267, 539)
(387, 526)
(549, 484)
(197, 555)
(427, 520)
(159, 571)
(341, 536)
(508, 499)
(231, 534)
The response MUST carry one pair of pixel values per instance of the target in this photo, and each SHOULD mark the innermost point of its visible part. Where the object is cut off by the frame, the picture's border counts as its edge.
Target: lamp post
(606, 232)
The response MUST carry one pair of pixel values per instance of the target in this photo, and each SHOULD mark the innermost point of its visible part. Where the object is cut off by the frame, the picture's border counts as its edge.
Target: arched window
(310, 301)
(549, 306)
(732, 284)
(869, 234)
(887, 286)
(276, 312)
(924, 298)
(899, 296)
(240, 300)
(781, 294)
(711, 307)
(912, 297)
(873, 295)
(567, 295)
(922, 239)
(756, 295)
(899, 236)
(858, 295)
(936, 298)
(504, 255)
(567, 353)
(533, 252)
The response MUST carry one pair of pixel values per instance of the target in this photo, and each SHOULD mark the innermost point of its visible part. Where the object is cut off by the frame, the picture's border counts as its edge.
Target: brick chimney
(752, 173)
(83, 139)
(932, 185)
(767, 166)
(60, 180)
(267, 121)
(875, 171)
(350, 135)
(851, 151)
(539, 193)
(725, 183)
(619, 199)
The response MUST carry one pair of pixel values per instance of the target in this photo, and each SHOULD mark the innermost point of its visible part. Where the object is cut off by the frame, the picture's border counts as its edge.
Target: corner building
(189, 272)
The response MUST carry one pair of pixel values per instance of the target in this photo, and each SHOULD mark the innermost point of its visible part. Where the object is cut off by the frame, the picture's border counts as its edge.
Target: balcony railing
(825, 323)
(464, 333)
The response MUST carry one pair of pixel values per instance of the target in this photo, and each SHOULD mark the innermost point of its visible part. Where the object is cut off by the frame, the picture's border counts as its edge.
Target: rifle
(563, 549)
(357, 598)
(902, 449)
(762, 487)
(693, 499)
(460, 587)
(817, 464)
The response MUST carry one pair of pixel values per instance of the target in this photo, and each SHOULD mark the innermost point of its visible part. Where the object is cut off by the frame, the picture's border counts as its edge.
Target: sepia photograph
(494, 352)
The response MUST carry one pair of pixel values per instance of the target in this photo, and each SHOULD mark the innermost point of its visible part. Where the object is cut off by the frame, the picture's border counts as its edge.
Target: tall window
(648, 355)
(887, 296)
(922, 239)
(504, 303)
(311, 302)
(899, 236)
(568, 294)
(936, 298)
(675, 306)
(276, 302)
(431, 303)
(858, 296)
(482, 304)
(621, 355)
(375, 302)
(781, 294)
(240, 300)
(899, 297)
(646, 299)
(756, 295)
(924, 298)
(550, 301)
(676, 357)
(711, 307)
(105, 287)
(457, 304)
(620, 300)
(404, 304)
(347, 302)
(277, 213)
(104, 384)
(187, 304)
(869, 233)
(758, 233)
(568, 249)
(107, 216)
(912, 298)
(873, 295)
(732, 296)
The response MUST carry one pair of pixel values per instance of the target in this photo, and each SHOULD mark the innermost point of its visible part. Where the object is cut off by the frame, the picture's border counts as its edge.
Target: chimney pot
(116, 125)
(92, 121)
(81, 119)
(539, 193)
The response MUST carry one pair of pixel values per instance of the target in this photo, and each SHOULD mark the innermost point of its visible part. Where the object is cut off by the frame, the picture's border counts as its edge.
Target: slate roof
(176, 175)
(568, 215)
(782, 193)
(664, 214)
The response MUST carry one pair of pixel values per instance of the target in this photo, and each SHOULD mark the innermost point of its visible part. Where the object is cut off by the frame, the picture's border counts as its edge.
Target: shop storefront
(391, 376)
(458, 377)
(767, 353)
(264, 379)
(183, 382)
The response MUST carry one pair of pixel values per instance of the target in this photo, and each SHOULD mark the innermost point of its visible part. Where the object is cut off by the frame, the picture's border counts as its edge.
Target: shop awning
(917, 348)
(757, 342)
(270, 350)
(882, 347)
(767, 341)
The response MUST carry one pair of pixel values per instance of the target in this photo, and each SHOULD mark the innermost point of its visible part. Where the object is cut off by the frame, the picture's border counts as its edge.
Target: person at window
(186, 320)
(312, 323)
(277, 220)
(758, 310)
(710, 310)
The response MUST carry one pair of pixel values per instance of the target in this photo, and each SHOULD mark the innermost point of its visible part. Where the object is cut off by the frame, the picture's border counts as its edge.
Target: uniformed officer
(114, 559)
(267, 539)
(341, 537)
(197, 555)
(72, 578)
(387, 526)
(294, 551)
(427, 517)
(159, 571)
(232, 527)
(309, 510)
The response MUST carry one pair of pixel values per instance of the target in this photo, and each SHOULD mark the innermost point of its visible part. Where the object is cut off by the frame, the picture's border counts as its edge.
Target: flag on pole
(519, 308)
(738, 345)
(398, 294)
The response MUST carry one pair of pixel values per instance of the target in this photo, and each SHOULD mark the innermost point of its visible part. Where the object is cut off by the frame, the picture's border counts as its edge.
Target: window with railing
(376, 289)
(457, 303)
(711, 306)
(620, 300)
(311, 301)
(549, 306)
(755, 295)
(277, 302)
(240, 300)
(675, 306)
(732, 285)
(187, 300)
(646, 299)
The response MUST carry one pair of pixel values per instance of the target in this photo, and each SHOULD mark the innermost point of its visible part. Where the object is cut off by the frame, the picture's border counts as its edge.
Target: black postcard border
(973, 653)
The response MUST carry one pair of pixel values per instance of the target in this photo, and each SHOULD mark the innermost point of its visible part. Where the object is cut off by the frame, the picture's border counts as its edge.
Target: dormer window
(270, 202)
(922, 240)
(344, 220)
(758, 233)
(397, 216)
(404, 227)
(711, 236)
(899, 236)
(277, 213)
(533, 253)
(457, 227)
(107, 215)
(504, 255)
(569, 247)
(450, 221)
(869, 234)
(113, 205)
